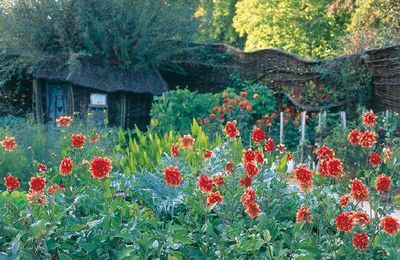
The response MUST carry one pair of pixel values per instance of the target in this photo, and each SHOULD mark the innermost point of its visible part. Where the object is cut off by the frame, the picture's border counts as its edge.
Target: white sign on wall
(97, 99)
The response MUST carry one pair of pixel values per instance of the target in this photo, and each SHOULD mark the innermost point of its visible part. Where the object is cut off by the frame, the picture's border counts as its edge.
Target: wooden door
(57, 104)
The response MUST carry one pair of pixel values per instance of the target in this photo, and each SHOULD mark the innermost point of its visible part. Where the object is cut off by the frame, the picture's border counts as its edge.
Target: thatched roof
(102, 77)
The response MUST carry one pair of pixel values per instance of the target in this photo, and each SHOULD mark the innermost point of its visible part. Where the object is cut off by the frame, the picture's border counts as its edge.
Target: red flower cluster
(248, 156)
(66, 166)
(11, 183)
(360, 241)
(231, 130)
(54, 188)
(344, 200)
(172, 176)
(367, 139)
(324, 153)
(214, 197)
(303, 214)
(8, 143)
(218, 179)
(187, 141)
(344, 222)
(175, 150)
(259, 156)
(383, 183)
(360, 217)
(253, 210)
(100, 167)
(390, 225)
(329, 164)
(269, 145)
(251, 169)
(205, 184)
(248, 197)
(78, 141)
(303, 176)
(374, 159)
(369, 119)
(358, 190)
(64, 121)
(246, 181)
(258, 135)
(208, 154)
(42, 168)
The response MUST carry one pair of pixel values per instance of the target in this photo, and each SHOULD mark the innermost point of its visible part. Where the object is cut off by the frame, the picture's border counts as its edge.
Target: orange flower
(64, 121)
(78, 141)
(187, 141)
(390, 225)
(248, 197)
(205, 184)
(218, 179)
(249, 108)
(358, 190)
(344, 200)
(11, 183)
(354, 136)
(303, 214)
(383, 183)
(269, 145)
(251, 169)
(214, 197)
(38, 197)
(8, 143)
(253, 210)
(243, 94)
(37, 184)
(369, 119)
(231, 130)
(344, 222)
(208, 154)
(175, 150)
(367, 139)
(42, 167)
(324, 153)
(374, 159)
(66, 166)
(258, 135)
(360, 241)
(54, 188)
(100, 167)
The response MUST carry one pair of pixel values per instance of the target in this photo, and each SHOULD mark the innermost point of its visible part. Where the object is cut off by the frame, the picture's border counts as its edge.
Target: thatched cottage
(89, 88)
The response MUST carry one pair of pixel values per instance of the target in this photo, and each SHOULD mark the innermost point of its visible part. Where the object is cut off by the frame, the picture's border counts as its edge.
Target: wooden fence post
(343, 119)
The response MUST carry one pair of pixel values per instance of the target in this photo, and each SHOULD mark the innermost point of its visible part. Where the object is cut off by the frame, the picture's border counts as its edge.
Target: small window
(98, 100)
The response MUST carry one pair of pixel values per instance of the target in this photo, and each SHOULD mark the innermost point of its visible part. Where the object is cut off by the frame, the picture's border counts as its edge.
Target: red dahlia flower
(258, 135)
(218, 179)
(78, 141)
(361, 218)
(246, 181)
(335, 167)
(324, 153)
(360, 241)
(100, 167)
(187, 141)
(369, 119)
(37, 184)
(42, 167)
(303, 214)
(37, 197)
(367, 139)
(172, 176)
(248, 197)
(344, 200)
(323, 168)
(302, 174)
(208, 154)
(390, 225)
(54, 188)
(251, 169)
(248, 156)
(11, 183)
(205, 184)
(8, 143)
(269, 145)
(231, 130)
(374, 159)
(64, 121)
(175, 150)
(66, 166)
(354, 136)
(344, 222)
(358, 190)
(253, 210)
(259, 156)
(214, 197)
(229, 167)
(383, 183)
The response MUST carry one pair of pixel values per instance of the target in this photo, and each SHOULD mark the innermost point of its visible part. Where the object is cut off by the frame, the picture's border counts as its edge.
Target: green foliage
(303, 27)
(130, 34)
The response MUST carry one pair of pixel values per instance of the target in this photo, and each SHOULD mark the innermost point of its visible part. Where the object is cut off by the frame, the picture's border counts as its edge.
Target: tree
(132, 34)
(300, 26)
